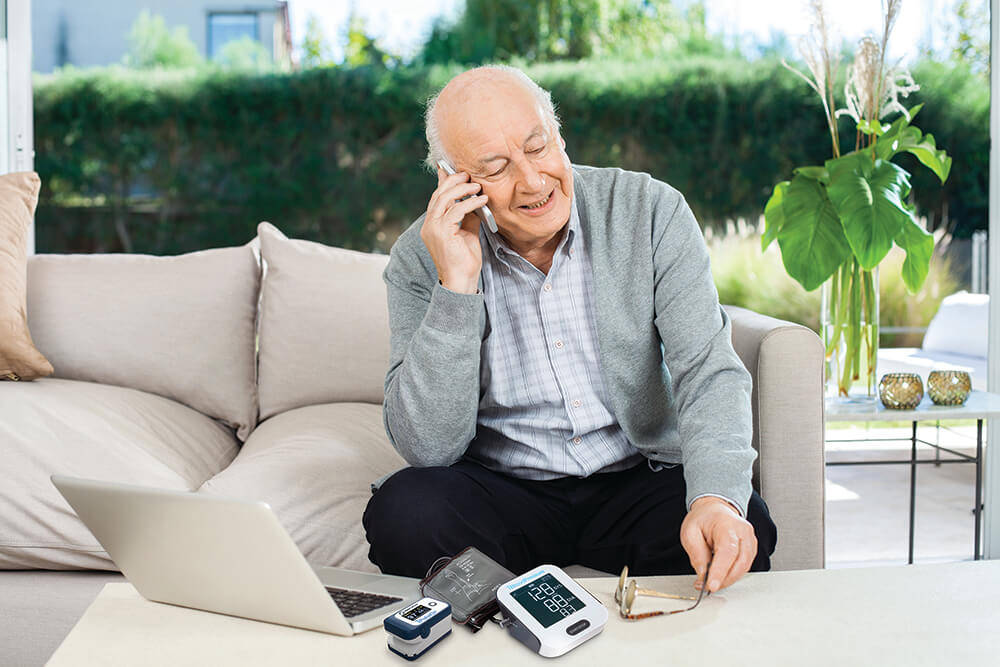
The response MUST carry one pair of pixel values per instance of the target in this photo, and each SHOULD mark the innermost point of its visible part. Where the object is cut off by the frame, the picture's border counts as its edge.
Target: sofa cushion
(181, 327)
(19, 359)
(96, 431)
(960, 325)
(315, 466)
(324, 324)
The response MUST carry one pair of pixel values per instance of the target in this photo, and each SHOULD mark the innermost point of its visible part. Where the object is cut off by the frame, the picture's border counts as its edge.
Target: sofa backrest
(324, 324)
(181, 327)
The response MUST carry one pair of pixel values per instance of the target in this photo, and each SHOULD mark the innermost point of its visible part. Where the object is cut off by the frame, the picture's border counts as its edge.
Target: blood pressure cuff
(469, 583)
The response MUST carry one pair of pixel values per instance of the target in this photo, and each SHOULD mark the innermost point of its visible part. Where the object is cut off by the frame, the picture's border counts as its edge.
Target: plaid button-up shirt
(545, 411)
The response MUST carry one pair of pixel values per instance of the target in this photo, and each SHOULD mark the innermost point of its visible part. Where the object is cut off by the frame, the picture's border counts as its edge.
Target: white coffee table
(945, 614)
(980, 405)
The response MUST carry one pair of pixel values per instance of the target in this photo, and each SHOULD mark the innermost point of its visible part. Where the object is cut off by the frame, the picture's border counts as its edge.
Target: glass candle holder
(900, 391)
(949, 387)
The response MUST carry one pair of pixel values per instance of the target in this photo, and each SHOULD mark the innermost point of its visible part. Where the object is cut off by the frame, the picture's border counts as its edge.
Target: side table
(979, 406)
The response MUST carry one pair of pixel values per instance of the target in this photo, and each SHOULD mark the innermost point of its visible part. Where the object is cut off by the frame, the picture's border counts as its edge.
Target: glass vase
(850, 333)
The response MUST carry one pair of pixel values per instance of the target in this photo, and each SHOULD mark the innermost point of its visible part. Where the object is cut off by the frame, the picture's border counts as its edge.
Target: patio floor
(867, 507)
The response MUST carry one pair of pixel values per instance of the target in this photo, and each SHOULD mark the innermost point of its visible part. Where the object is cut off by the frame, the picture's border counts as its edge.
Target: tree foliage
(547, 30)
(360, 48)
(967, 35)
(152, 44)
(245, 54)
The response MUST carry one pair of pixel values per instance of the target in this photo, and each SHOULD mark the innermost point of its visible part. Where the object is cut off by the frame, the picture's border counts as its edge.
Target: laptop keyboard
(355, 603)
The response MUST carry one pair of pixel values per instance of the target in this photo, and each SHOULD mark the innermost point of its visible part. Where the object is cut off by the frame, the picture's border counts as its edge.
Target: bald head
(472, 90)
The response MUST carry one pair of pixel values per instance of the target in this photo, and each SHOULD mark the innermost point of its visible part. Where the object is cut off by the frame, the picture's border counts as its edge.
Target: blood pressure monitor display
(547, 600)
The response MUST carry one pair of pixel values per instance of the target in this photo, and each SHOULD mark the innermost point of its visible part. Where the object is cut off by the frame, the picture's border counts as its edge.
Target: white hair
(435, 151)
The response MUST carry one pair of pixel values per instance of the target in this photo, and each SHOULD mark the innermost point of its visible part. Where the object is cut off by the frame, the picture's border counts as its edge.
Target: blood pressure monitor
(547, 611)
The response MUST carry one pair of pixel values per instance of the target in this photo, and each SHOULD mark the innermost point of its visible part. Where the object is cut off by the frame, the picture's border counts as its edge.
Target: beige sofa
(204, 372)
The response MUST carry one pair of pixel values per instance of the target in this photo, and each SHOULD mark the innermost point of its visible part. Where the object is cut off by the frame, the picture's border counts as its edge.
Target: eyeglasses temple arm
(658, 594)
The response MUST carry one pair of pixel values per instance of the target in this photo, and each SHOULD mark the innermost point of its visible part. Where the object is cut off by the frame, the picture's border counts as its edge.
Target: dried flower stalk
(872, 91)
(815, 51)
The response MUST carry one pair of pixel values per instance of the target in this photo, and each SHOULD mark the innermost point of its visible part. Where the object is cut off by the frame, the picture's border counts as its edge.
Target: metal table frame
(979, 406)
(937, 460)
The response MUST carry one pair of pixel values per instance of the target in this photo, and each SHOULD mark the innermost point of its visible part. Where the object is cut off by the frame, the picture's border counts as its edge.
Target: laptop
(229, 557)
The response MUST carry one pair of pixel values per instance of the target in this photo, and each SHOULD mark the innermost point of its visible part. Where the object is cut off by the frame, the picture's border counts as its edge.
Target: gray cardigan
(676, 386)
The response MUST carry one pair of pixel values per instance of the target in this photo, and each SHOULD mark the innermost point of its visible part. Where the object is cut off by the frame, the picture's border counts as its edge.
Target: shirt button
(559, 344)
(577, 403)
(577, 440)
(548, 287)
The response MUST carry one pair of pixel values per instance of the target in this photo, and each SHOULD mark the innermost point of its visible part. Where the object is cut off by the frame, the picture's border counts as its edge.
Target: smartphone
(484, 212)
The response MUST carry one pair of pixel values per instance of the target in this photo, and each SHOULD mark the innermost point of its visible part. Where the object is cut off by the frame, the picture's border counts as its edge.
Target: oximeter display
(415, 612)
(547, 600)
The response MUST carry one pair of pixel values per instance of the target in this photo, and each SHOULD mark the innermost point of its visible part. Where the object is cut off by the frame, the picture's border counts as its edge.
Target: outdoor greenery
(152, 44)
(547, 30)
(165, 161)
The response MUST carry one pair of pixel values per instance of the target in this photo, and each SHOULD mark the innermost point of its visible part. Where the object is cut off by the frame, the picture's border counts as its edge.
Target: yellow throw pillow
(19, 360)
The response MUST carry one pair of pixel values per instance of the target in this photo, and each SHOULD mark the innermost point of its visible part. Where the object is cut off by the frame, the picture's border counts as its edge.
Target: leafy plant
(152, 44)
(854, 208)
(838, 221)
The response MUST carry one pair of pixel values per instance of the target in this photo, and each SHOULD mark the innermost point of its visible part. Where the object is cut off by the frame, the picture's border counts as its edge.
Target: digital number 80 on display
(554, 602)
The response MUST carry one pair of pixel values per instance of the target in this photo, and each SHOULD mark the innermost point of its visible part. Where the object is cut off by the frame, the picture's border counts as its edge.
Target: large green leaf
(774, 216)
(815, 173)
(902, 136)
(928, 153)
(868, 197)
(919, 245)
(892, 143)
(812, 240)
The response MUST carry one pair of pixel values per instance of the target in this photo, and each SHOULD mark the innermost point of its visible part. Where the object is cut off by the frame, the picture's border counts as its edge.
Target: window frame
(209, 45)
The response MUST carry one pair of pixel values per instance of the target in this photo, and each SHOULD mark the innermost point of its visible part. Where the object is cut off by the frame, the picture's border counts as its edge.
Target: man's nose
(531, 177)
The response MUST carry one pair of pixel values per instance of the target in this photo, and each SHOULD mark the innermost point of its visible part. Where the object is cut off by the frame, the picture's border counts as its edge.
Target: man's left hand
(714, 531)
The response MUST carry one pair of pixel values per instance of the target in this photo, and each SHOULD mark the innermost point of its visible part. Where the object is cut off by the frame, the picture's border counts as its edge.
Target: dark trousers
(604, 521)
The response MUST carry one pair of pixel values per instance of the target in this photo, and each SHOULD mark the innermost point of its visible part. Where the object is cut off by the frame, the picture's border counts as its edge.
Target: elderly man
(565, 389)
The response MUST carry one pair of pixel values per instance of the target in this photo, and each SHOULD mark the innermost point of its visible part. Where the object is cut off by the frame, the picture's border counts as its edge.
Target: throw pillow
(19, 359)
(324, 324)
(181, 327)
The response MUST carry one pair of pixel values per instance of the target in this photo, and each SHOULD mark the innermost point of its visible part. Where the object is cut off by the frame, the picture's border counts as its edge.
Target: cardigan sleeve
(710, 384)
(432, 386)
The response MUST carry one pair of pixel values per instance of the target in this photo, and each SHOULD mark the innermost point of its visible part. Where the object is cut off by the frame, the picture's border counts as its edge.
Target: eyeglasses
(627, 591)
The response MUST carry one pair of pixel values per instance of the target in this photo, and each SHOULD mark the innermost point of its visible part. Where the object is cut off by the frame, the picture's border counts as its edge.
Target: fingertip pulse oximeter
(412, 631)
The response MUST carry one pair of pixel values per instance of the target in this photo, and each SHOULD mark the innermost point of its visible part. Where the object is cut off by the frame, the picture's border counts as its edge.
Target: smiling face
(493, 128)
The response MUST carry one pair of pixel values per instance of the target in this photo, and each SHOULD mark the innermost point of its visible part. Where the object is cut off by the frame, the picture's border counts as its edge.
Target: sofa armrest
(786, 362)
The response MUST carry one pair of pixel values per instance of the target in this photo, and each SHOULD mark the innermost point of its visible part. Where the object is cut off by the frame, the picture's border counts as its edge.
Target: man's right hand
(451, 232)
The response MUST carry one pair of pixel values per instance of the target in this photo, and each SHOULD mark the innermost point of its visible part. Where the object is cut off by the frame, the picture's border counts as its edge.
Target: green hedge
(167, 162)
